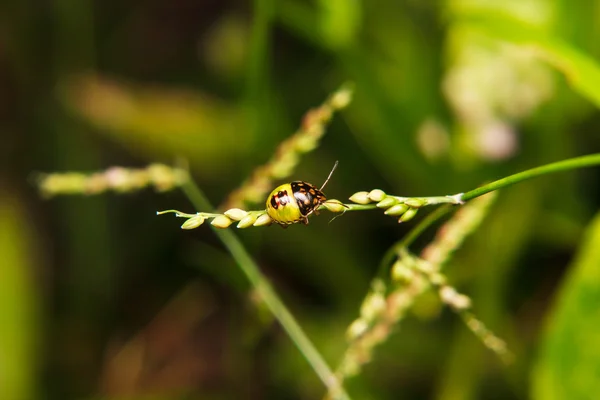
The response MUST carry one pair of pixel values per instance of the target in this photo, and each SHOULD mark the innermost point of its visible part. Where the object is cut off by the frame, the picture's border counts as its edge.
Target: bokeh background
(100, 298)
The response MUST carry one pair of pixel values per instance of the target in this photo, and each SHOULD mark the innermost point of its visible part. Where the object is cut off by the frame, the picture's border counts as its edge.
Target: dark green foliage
(99, 298)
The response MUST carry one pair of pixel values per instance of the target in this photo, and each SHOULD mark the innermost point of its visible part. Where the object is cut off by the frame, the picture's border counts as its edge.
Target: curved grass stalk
(287, 155)
(385, 306)
(404, 208)
(271, 299)
(116, 179)
(565, 165)
(364, 336)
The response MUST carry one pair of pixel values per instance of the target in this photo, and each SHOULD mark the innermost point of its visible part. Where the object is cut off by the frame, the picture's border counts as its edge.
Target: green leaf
(568, 365)
(579, 68)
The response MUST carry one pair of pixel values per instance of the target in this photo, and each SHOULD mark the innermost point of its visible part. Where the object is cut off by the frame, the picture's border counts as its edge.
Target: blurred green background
(99, 298)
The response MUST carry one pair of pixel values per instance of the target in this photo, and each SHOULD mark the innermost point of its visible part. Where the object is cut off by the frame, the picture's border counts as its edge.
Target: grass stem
(571, 163)
(268, 295)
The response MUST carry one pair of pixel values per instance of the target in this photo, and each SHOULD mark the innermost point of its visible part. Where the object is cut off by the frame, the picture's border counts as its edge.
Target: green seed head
(402, 273)
(236, 214)
(415, 203)
(408, 215)
(377, 195)
(335, 206)
(247, 221)
(373, 306)
(221, 221)
(360, 198)
(263, 220)
(341, 98)
(454, 299)
(356, 329)
(397, 210)
(387, 202)
(193, 222)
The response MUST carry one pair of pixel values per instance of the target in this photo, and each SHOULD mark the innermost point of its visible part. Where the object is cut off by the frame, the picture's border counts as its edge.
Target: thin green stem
(271, 299)
(187, 215)
(431, 200)
(353, 207)
(411, 236)
(429, 220)
(572, 163)
(260, 37)
(257, 77)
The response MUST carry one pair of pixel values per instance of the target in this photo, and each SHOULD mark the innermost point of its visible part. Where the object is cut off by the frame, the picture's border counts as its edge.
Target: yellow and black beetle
(293, 202)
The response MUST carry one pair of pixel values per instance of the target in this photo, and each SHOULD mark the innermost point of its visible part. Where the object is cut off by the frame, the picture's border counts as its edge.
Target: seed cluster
(117, 179)
(405, 208)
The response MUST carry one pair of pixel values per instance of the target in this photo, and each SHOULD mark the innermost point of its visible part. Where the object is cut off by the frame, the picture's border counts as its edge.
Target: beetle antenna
(329, 177)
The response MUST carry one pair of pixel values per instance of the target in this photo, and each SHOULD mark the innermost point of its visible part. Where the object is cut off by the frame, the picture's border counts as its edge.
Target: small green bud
(396, 210)
(335, 206)
(415, 203)
(306, 143)
(247, 221)
(373, 306)
(378, 285)
(360, 198)
(462, 302)
(351, 366)
(387, 202)
(341, 98)
(236, 214)
(426, 267)
(193, 222)
(475, 325)
(221, 221)
(356, 329)
(263, 220)
(437, 278)
(377, 195)
(402, 273)
(408, 215)
(447, 293)
(454, 299)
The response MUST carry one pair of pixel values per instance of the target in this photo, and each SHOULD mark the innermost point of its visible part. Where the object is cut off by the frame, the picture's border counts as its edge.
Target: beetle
(293, 202)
